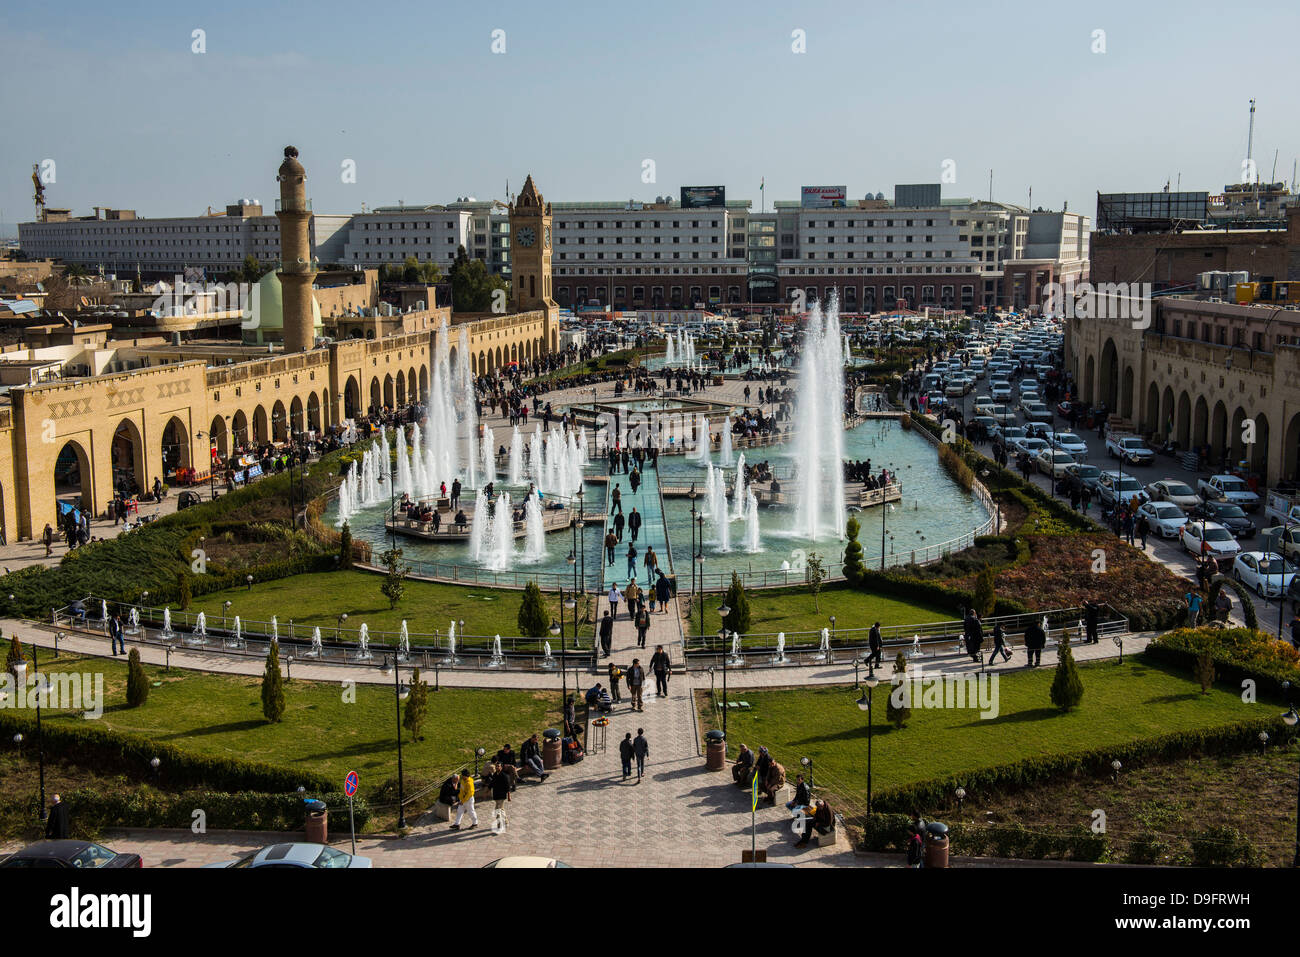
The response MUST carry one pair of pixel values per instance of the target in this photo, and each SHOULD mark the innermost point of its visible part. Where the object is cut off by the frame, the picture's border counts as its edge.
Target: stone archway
(1259, 450)
(351, 398)
(376, 395)
(1184, 421)
(1089, 381)
(313, 412)
(400, 390)
(239, 429)
(1151, 417)
(73, 479)
(175, 446)
(424, 384)
(296, 426)
(1108, 384)
(279, 422)
(1167, 413)
(1126, 394)
(129, 475)
(1218, 434)
(1200, 422)
(390, 397)
(1236, 444)
(261, 426)
(217, 436)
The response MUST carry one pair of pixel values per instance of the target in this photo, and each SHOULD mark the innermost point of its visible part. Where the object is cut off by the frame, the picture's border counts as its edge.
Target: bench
(440, 811)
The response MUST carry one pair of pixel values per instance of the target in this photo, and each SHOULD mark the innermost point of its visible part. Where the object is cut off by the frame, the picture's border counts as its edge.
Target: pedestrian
(115, 633)
(640, 747)
(606, 633)
(660, 665)
(974, 634)
(570, 718)
(615, 596)
(615, 674)
(611, 540)
(999, 644)
(642, 626)
(633, 523)
(465, 801)
(663, 591)
(616, 500)
(625, 754)
(651, 562)
(635, 683)
(500, 795)
(1194, 602)
(56, 825)
(633, 595)
(1035, 641)
(1091, 614)
(618, 525)
(634, 480)
(631, 560)
(47, 539)
(876, 646)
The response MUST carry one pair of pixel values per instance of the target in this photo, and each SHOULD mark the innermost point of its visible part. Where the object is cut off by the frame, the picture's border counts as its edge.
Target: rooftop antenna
(1273, 178)
(1250, 150)
(990, 186)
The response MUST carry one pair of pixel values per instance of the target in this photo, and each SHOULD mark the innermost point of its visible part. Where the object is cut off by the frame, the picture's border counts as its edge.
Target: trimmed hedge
(896, 585)
(890, 832)
(117, 752)
(92, 810)
(1239, 654)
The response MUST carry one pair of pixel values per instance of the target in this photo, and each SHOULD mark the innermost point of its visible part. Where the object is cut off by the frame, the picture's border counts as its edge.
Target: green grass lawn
(1121, 703)
(792, 609)
(222, 715)
(319, 599)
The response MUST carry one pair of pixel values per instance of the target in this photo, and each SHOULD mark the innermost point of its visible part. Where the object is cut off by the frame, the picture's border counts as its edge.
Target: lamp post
(40, 734)
(1292, 718)
(808, 763)
(225, 612)
(400, 694)
(156, 764)
(884, 514)
(338, 627)
(960, 795)
(582, 548)
(723, 611)
(691, 495)
(864, 704)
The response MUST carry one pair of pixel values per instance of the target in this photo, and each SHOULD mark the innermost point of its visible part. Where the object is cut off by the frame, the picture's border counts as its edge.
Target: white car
(1208, 538)
(1028, 385)
(1069, 442)
(1053, 462)
(1165, 518)
(1003, 414)
(1009, 433)
(1173, 490)
(1032, 446)
(1001, 391)
(1266, 572)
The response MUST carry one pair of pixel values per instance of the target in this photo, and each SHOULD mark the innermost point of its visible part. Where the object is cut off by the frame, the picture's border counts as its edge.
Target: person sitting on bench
(531, 753)
(742, 772)
(819, 818)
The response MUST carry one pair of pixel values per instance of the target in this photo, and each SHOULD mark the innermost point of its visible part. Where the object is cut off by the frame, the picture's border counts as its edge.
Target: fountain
(548, 661)
(315, 644)
(236, 637)
(780, 658)
(915, 650)
(275, 630)
(535, 549)
(515, 470)
(824, 649)
(465, 409)
(480, 529)
(702, 440)
(489, 454)
(739, 501)
(753, 538)
(167, 633)
(725, 442)
(819, 437)
(500, 554)
(199, 636)
(133, 622)
(451, 658)
(736, 657)
(363, 644)
(404, 483)
(715, 504)
(497, 660)
(103, 612)
(403, 643)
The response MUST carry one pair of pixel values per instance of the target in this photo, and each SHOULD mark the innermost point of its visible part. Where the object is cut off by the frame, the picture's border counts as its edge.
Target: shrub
(273, 686)
(957, 467)
(345, 546)
(1222, 845)
(186, 593)
(737, 619)
(15, 655)
(1237, 653)
(898, 713)
(137, 684)
(532, 618)
(417, 703)
(1147, 848)
(985, 598)
(92, 810)
(853, 567)
(1067, 688)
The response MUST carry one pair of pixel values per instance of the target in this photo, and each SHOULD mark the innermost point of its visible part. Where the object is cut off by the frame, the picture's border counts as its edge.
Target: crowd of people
(763, 772)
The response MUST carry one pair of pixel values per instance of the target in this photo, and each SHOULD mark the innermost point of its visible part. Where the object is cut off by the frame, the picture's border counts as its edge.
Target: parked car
(73, 855)
(1117, 487)
(1084, 474)
(1173, 490)
(1009, 433)
(1129, 448)
(298, 854)
(1228, 515)
(1069, 442)
(1036, 411)
(1166, 518)
(1266, 572)
(1032, 446)
(1228, 488)
(1208, 538)
(1053, 462)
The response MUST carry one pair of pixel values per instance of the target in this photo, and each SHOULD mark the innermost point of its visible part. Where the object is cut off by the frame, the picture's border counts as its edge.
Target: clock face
(525, 236)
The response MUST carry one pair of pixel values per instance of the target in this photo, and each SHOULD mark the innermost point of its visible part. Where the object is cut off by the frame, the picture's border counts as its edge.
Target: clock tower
(530, 252)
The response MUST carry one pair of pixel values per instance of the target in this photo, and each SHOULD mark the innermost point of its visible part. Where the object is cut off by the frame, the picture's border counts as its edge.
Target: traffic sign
(350, 784)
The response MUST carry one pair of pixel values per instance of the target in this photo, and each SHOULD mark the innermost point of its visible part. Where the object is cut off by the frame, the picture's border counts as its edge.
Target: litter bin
(715, 751)
(936, 844)
(551, 749)
(318, 822)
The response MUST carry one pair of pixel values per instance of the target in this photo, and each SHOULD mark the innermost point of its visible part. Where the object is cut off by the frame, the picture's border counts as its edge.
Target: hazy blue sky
(711, 91)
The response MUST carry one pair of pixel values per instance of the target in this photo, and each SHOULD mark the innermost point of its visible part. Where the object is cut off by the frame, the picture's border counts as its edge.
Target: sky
(594, 99)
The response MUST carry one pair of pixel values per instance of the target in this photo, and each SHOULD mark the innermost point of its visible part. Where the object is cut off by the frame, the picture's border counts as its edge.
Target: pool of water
(933, 509)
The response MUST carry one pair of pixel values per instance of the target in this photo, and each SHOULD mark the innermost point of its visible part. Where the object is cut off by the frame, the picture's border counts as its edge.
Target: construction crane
(40, 192)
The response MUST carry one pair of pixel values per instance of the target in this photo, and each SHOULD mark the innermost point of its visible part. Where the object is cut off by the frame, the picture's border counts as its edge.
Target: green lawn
(222, 715)
(319, 599)
(1121, 703)
(791, 610)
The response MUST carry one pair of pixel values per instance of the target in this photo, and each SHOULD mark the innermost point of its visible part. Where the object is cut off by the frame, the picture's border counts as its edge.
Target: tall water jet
(466, 411)
(702, 440)
(753, 541)
(726, 442)
(535, 549)
(404, 486)
(480, 528)
(717, 505)
(819, 436)
(515, 471)
(489, 449)
(738, 501)
(502, 549)
(419, 463)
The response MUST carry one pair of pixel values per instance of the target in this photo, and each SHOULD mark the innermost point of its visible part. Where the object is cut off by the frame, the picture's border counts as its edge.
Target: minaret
(296, 272)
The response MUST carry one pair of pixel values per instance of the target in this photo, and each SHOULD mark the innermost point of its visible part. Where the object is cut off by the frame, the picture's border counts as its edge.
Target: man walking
(615, 596)
(56, 825)
(633, 523)
(876, 646)
(500, 795)
(618, 525)
(611, 540)
(641, 748)
(47, 539)
(635, 682)
(625, 754)
(606, 634)
(631, 561)
(660, 665)
(642, 626)
(465, 801)
(1035, 641)
(115, 634)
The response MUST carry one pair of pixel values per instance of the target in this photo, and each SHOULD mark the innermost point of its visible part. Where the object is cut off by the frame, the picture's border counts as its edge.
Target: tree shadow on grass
(1017, 717)
(229, 727)
(850, 734)
(1176, 698)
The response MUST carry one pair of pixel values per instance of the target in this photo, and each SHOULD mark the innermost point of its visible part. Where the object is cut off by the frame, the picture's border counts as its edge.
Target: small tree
(1067, 689)
(532, 619)
(815, 573)
(186, 592)
(1203, 670)
(15, 655)
(737, 619)
(853, 567)
(137, 685)
(273, 686)
(394, 587)
(985, 597)
(896, 711)
(345, 546)
(417, 704)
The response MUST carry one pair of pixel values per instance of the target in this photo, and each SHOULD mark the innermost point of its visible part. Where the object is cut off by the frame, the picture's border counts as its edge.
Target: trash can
(936, 844)
(715, 751)
(551, 749)
(318, 822)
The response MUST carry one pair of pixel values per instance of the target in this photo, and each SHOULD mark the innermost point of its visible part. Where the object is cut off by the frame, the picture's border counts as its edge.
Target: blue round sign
(350, 784)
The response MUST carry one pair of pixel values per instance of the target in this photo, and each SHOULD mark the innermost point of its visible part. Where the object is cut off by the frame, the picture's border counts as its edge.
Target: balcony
(282, 207)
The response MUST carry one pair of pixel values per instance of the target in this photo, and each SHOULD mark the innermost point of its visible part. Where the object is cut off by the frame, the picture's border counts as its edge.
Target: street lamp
(248, 580)
(808, 763)
(960, 794)
(1114, 767)
(723, 611)
(692, 495)
(40, 734)
(478, 753)
(864, 704)
(582, 548)
(339, 625)
(156, 764)
(1292, 718)
(401, 693)
(225, 612)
